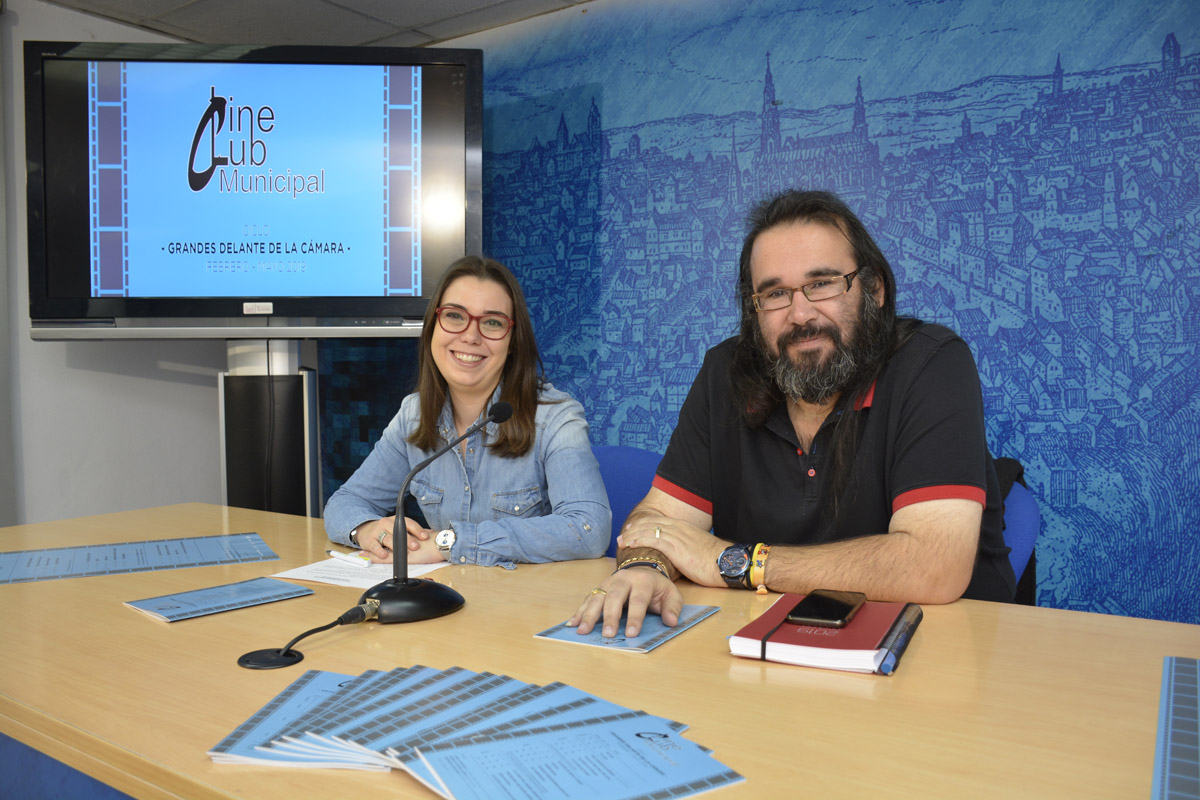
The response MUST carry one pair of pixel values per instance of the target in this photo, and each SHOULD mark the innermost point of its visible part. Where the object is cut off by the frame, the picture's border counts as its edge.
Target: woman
(528, 489)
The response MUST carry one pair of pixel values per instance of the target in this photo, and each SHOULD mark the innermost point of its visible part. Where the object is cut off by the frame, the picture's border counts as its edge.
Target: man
(830, 445)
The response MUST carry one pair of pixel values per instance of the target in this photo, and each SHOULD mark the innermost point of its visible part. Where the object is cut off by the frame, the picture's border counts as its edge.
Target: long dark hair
(754, 387)
(520, 380)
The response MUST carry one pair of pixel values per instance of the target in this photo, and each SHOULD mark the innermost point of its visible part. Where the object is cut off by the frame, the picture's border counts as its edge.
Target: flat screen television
(204, 191)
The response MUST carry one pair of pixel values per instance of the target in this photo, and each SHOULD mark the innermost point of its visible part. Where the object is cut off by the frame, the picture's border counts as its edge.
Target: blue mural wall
(1030, 170)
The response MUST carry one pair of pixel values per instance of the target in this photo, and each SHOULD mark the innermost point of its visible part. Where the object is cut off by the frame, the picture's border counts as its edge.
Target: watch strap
(441, 536)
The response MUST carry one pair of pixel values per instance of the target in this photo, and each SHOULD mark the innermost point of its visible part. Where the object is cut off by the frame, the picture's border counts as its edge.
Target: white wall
(95, 427)
(8, 494)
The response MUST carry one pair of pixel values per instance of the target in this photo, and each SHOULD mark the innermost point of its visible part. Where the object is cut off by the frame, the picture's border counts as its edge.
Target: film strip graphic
(108, 192)
(402, 181)
(1177, 752)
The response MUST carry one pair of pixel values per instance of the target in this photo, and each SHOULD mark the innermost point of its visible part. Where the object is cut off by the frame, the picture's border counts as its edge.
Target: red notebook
(871, 642)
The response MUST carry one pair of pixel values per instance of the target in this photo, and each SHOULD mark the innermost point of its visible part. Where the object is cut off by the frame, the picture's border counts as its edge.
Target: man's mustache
(807, 331)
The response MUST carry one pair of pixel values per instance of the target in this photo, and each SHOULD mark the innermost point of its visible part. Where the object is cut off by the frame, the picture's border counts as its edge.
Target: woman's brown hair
(520, 380)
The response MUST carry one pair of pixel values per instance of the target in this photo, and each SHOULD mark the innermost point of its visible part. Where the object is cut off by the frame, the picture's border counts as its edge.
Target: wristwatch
(353, 537)
(734, 565)
(444, 541)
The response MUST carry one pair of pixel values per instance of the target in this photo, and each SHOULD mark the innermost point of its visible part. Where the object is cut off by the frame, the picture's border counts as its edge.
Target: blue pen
(909, 619)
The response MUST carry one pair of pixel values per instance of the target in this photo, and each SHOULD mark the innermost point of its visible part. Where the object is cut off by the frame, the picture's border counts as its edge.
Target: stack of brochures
(462, 733)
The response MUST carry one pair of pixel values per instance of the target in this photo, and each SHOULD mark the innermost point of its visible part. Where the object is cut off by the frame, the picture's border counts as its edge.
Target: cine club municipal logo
(230, 144)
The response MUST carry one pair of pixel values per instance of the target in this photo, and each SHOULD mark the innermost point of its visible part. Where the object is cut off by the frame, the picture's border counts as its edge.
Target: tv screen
(214, 191)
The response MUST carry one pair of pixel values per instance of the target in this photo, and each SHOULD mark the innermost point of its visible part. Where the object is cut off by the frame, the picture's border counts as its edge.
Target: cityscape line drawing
(1048, 218)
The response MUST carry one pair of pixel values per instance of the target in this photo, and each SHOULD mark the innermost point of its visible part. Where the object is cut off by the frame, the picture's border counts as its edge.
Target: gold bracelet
(758, 567)
(649, 561)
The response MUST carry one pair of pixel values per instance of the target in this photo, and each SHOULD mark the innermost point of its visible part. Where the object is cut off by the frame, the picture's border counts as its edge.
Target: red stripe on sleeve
(694, 500)
(946, 492)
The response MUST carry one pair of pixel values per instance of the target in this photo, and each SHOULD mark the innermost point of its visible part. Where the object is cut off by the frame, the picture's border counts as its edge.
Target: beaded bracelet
(758, 567)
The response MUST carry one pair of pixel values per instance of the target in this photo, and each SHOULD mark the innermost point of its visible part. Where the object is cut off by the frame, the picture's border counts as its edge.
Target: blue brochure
(214, 599)
(22, 566)
(559, 762)
(653, 632)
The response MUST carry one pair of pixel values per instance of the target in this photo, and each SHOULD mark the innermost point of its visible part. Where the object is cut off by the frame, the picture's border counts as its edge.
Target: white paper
(342, 573)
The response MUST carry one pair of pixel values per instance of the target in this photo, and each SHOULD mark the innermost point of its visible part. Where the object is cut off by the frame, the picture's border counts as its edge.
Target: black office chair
(628, 473)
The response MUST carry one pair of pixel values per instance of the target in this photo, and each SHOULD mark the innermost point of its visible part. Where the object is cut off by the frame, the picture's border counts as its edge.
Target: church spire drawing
(735, 170)
(860, 113)
(770, 139)
(1170, 56)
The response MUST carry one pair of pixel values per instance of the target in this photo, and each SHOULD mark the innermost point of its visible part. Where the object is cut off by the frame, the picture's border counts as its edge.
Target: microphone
(405, 599)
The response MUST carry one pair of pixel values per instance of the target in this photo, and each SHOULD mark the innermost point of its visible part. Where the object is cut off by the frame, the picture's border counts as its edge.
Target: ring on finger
(598, 590)
(380, 536)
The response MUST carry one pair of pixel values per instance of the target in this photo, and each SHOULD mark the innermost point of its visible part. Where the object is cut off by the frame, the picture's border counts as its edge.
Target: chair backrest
(1022, 524)
(628, 473)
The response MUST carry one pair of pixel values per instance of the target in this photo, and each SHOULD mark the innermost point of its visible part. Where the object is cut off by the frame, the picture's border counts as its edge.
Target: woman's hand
(642, 589)
(375, 539)
(422, 548)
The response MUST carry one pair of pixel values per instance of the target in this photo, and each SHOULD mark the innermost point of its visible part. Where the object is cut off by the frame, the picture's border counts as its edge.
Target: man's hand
(693, 551)
(645, 589)
(642, 588)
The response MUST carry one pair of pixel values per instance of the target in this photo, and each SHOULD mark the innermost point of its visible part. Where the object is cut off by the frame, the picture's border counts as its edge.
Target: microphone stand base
(270, 659)
(412, 599)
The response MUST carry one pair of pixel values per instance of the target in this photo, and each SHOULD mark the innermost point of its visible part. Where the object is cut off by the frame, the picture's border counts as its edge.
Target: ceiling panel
(403, 23)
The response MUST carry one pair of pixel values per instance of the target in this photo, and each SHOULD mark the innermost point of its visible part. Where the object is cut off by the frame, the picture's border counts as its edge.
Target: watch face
(734, 561)
(444, 540)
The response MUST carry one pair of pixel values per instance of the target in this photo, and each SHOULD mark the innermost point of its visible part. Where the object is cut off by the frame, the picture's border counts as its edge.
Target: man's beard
(807, 379)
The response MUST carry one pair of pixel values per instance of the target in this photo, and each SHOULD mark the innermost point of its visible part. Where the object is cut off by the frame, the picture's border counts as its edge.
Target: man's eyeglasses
(453, 319)
(781, 297)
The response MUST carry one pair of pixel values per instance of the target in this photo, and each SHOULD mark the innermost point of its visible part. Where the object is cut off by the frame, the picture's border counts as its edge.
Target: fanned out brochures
(215, 599)
(463, 733)
(653, 633)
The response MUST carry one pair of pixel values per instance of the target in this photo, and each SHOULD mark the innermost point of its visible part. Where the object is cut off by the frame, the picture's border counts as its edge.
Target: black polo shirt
(921, 437)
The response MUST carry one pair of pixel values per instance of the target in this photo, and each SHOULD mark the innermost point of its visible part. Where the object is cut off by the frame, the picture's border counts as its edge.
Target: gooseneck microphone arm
(401, 599)
(500, 412)
(404, 599)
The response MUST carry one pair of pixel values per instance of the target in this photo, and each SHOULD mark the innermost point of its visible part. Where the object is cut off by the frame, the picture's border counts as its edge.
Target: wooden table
(990, 700)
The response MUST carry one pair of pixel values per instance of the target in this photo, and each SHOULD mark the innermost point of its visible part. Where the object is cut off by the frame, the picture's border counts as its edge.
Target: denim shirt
(547, 505)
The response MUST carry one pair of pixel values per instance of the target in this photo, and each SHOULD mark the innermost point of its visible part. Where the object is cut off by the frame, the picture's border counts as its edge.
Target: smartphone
(826, 608)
